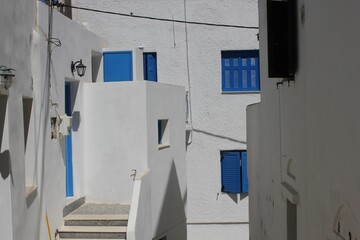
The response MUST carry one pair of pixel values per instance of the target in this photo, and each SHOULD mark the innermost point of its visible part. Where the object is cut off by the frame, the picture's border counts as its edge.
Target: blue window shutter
(240, 71)
(244, 175)
(230, 172)
(118, 66)
(150, 67)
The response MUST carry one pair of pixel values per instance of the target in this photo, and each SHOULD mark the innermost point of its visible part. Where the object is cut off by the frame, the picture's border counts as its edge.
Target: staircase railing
(139, 224)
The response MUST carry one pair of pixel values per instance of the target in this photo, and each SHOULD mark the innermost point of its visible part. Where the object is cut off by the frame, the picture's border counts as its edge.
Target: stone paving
(95, 208)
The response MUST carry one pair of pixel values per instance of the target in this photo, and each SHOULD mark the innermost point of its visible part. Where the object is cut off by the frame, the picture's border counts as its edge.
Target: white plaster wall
(168, 168)
(17, 19)
(318, 135)
(23, 47)
(218, 231)
(218, 119)
(123, 136)
(73, 47)
(116, 139)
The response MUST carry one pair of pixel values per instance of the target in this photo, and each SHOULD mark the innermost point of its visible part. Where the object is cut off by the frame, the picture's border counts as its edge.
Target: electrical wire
(56, 42)
(155, 18)
(188, 74)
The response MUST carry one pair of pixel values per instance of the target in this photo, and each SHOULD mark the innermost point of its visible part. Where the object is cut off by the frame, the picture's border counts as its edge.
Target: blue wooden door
(118, 66)
(68, 144)
(150, 67)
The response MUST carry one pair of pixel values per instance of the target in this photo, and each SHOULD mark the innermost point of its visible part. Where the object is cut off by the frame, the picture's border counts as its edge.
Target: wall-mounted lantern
(79, 67)
(6, 75)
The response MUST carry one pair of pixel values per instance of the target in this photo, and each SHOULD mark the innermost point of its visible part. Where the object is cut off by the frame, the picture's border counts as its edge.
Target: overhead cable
(157, 19)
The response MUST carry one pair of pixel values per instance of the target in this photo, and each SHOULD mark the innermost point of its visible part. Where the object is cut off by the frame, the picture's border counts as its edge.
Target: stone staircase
(96, 221)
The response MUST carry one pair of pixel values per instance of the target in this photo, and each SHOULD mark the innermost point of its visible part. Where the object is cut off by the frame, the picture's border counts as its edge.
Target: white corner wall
(116, 139)
(168, 166)
(308, 132)
(121, 135)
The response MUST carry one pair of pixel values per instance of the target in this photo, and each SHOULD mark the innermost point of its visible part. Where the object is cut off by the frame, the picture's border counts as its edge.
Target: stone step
(89, 239)
(96, 220)
(93, 232)
(103, 208)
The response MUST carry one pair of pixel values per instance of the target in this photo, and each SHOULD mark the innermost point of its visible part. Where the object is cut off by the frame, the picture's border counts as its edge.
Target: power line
(156, 19)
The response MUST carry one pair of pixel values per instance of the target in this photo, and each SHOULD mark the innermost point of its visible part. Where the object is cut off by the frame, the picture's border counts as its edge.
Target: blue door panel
(230, 172)
(118, 66)
(244, 175)
(68, 144)
(150, 67)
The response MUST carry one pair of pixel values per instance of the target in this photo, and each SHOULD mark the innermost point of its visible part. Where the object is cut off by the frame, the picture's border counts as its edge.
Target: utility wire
(156, 19)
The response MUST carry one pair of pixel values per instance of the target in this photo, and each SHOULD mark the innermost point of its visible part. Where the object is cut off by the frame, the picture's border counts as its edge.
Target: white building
(191, 55)
(303, 137)
(115, 129)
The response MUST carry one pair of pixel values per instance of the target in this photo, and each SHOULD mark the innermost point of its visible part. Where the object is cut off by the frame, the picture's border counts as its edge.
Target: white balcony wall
(121, 135)
(116, 139)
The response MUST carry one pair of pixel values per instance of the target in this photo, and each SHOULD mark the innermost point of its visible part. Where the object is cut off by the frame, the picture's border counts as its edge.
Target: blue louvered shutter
(230, 172)
(118, 66)
(240, 71)
(150, 68)
(244, 175)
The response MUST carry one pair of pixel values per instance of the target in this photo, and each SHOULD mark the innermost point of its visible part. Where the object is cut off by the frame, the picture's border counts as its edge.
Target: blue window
(240, 71)
(150, 67)
(234, 178)
(118, 66)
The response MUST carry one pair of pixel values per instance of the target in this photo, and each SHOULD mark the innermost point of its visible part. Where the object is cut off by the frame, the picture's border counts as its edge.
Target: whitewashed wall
(168, 165)
(308, 132)
(218, 119)
(23, 47)
(116, 139)
(121, 135)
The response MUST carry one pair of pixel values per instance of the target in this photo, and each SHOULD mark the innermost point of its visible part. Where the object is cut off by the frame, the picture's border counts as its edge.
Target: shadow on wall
(188, 137)
(76, 121)
(5, 165)
(3, 104)
(5, 160)
(172, 211)
(218, 136)
(95, 64)
(236, 197)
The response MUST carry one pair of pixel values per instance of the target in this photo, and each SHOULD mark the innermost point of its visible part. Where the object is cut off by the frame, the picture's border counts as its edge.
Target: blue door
(150, 68)
(118, 66)
(68, 144)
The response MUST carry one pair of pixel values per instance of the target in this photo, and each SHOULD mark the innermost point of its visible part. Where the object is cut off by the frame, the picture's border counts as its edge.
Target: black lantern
(79, 66)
